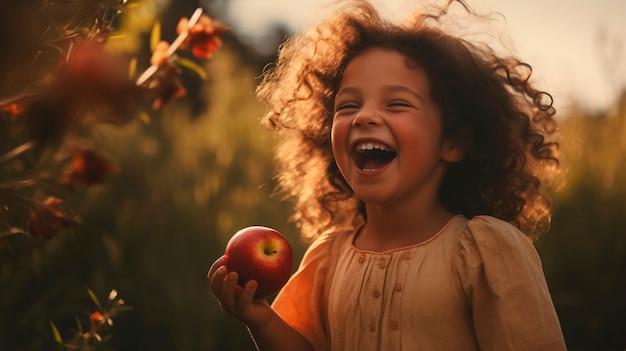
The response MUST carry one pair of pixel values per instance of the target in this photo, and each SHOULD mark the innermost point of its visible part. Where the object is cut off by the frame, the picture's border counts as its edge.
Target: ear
(454, 148)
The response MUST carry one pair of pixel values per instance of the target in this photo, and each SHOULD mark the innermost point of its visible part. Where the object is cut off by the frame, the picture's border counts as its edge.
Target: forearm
(277, 335)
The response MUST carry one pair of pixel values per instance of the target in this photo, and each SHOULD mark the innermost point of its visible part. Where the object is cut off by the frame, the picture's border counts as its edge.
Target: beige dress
(476, 285)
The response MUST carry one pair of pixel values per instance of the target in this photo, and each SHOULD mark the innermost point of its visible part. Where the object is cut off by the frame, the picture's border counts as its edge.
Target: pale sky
(561, 39)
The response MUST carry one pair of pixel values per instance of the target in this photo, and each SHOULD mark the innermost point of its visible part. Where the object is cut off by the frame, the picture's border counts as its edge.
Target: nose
(366, 117)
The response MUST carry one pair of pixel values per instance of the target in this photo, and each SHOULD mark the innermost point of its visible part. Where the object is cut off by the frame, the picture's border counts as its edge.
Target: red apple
(262, 254)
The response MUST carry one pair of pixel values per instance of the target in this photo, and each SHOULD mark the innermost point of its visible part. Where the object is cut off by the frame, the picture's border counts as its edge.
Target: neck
(392, 228)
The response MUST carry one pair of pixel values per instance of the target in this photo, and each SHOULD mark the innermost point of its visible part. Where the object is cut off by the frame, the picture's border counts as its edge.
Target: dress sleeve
(501, 276)
(301, 302)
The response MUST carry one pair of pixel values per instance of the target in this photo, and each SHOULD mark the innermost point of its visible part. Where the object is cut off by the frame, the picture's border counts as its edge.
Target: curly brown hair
(485, 98)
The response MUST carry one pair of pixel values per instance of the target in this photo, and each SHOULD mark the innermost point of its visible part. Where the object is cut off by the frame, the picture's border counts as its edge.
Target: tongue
(371, 160)
(373, 164)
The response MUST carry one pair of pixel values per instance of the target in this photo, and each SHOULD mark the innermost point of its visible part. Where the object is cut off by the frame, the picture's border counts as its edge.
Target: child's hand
(235, 300)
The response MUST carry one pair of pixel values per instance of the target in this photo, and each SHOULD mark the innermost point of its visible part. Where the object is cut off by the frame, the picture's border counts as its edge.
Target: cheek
(338, 138)
(417, 143)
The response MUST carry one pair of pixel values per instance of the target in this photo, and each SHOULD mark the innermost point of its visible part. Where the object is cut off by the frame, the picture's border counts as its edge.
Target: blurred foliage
(202, 168)
(584, 254)
(186, 181)
(184, 186)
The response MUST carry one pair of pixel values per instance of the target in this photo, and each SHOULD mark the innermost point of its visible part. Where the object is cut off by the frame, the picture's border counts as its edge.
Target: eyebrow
(402, 88)
(389, 88)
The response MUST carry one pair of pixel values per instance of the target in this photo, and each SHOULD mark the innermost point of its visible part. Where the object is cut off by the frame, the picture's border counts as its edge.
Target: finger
(222, 261)
(247, 293)
(217, 280)
(228, 297)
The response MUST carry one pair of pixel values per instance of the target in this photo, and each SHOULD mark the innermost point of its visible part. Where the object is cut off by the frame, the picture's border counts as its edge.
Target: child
(417, 161)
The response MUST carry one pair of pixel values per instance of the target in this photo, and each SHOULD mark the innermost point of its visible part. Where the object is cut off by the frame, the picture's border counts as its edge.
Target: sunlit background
(201, 169)
(577, 47)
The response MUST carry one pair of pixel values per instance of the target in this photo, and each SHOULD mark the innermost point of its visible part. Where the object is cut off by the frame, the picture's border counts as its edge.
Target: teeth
(372, 146)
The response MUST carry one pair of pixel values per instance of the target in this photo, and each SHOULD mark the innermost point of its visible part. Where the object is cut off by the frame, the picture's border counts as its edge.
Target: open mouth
(370, 156)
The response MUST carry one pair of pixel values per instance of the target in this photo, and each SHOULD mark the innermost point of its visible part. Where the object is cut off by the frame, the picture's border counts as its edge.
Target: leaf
(192, 66)
(132, 68)
(79, 325)
(155, 36)
(94, 298)
(112, 294)
(46, 155)
(145, 118)
(55, 332)
(16, 152)
(117, 36)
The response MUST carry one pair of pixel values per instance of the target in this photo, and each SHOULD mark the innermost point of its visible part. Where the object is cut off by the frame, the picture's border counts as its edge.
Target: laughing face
(387, 132)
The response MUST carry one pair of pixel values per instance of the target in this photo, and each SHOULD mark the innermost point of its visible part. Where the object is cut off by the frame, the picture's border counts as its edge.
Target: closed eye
(347, 106)
(399, 103)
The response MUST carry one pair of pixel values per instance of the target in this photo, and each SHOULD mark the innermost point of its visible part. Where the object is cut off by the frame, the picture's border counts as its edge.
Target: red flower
(96, 319)
(203, 37)
(99, 79)
(166, 86)
(159, 56)
(92, 86)
(48, 220)
(87, 167)
(12, 110)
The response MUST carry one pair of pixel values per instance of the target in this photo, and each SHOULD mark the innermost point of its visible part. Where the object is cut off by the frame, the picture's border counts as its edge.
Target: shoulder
(484, 222)
(325, 247)
(332, 239)
(492, 233)
(496, 249)
(485, 235)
